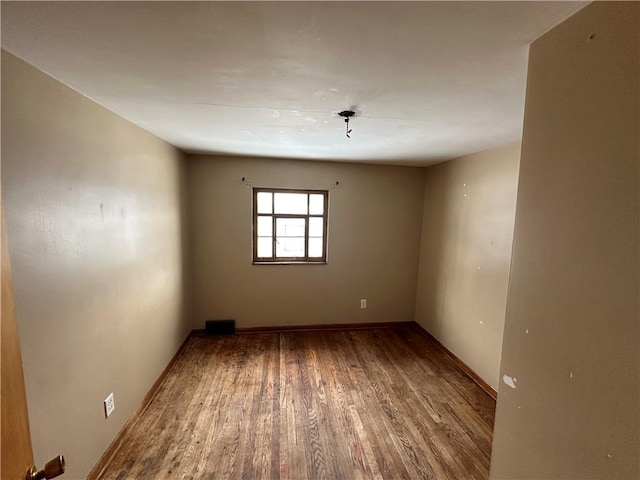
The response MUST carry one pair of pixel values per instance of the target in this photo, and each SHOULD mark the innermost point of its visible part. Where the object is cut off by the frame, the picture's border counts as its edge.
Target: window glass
(290, 227)
(265, 202)
(316, 225)
(265, 247)
(316, 204)
(265, 226)
(290, 247)
(291, 203)
(315, 247)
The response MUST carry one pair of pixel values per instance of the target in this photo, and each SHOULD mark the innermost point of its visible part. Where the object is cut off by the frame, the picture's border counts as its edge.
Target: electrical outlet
(363, 303)
(109, 405)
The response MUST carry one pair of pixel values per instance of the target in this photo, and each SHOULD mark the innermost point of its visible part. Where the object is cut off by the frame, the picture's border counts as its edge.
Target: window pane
(315, 247)
(265, 202)
(265, 247)
(291, 203)
(290, 247)
(315, 227)
(290, 227)
(316, 204)
(265, 226)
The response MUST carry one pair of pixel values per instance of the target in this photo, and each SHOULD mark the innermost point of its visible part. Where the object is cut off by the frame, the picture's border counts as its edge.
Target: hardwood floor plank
(386, 456)
(423, 418)
(362, 404)
(340, 408)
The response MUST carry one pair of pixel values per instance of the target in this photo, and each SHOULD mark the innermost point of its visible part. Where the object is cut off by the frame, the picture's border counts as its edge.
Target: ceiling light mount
(347, 114)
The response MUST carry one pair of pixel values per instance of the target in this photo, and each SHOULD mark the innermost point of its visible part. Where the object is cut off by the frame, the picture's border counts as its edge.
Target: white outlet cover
(109, 405)
(363, 303)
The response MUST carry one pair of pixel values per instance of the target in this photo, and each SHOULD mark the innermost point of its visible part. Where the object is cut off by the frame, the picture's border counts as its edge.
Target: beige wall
(375, 216)
(465, 254)
(571, 336)
(94, 213)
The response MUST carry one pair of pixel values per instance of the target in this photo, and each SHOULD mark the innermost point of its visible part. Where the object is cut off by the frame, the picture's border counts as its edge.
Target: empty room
(320, 240)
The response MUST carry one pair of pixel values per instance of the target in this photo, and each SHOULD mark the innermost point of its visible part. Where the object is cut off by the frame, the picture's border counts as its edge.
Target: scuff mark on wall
(509, 380)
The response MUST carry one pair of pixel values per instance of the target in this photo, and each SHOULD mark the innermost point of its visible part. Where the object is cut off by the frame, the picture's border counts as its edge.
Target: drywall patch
(509, 380)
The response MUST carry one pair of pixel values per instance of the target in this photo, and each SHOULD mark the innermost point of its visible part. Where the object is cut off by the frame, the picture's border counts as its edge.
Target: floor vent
(220, 327)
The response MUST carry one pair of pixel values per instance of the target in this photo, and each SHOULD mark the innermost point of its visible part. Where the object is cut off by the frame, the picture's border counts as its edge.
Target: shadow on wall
(433, 274)
(465, 255)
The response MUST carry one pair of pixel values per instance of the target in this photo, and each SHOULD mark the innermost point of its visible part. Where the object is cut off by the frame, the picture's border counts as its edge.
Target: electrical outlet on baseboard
(109, 405)
(363, 303)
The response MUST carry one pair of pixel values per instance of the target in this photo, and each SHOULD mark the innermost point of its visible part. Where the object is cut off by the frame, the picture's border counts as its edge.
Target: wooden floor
(363, 404)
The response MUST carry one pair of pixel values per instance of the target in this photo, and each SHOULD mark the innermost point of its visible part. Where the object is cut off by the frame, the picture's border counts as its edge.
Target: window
(289, 226)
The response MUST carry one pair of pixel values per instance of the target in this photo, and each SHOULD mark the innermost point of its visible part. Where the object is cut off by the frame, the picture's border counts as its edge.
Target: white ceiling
(430, 80)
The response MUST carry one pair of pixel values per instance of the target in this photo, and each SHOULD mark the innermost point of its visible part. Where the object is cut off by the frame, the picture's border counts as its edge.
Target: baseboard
(461, 365)
(317, 328)
(146, 401)
(313, 328)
